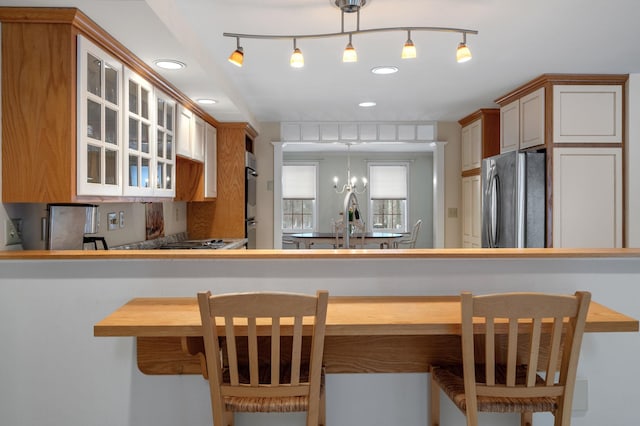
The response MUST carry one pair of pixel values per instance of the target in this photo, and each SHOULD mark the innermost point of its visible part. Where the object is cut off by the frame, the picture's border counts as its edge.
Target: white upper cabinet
(510, 127)
(522, 123)
(190, 135)
(99, 121)
(138, 130)
(587, 113)
(165, 158)
(532, 125)
(472, 145)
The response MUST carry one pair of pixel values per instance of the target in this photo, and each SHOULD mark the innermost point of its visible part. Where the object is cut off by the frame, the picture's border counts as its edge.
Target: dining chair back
(256, 356)
(413, 237)
(513, 346)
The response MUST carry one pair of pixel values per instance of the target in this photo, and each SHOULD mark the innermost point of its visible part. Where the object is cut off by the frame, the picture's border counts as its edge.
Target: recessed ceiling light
(384, 70)
(207, 101)
(170, 64)
(367, 104)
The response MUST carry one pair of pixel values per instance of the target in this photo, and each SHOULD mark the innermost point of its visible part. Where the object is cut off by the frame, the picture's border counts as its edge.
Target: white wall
(54, 372)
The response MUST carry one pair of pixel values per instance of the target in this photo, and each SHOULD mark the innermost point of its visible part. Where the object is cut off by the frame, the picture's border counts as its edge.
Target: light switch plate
(112, 221)
(121, 218)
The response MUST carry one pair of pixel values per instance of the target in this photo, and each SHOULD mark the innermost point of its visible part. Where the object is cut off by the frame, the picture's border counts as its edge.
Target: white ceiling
(517, 41)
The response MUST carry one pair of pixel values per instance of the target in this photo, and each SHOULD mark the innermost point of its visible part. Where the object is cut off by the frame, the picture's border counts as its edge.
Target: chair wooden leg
(434, 405)
(526, 418)
(229, 419)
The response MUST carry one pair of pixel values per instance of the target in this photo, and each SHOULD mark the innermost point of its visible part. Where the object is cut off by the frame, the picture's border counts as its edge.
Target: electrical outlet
(121, 217)
(13, 231)
(112, 221)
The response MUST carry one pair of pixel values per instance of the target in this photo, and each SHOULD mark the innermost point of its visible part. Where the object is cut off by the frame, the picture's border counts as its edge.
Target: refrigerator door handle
(492, 197)
(497, 214)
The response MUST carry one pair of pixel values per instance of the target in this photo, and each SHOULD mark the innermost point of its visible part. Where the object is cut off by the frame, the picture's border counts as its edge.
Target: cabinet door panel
(510, 127)
(99, 106)
(587, 197)
(587, 113)
(532, 119)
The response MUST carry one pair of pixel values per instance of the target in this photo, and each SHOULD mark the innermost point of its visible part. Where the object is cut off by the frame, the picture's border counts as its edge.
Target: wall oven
(251, 179)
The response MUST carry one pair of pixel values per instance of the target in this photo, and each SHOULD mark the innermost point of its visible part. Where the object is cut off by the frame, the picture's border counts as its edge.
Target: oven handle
(251, 172)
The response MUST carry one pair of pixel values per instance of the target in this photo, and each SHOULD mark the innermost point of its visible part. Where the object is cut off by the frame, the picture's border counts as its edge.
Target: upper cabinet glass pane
(111, 126)
(160, 112)
(133, 97)
(94, 120)
(94, 75)
(144, 103)
(169, 124)
(111, 84)
(160, 144)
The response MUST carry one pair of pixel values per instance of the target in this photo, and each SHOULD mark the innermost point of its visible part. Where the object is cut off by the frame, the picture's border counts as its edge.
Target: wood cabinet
(587, 188)
(522, 123)
(56, 144)
(480, 139)
(224, 217)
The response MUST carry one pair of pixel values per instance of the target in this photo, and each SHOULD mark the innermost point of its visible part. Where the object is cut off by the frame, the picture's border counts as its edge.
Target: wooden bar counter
(383, 334)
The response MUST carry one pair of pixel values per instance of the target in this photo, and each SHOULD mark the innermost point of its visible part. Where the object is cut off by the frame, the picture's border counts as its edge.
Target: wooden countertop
(320, 254)
(346, 316)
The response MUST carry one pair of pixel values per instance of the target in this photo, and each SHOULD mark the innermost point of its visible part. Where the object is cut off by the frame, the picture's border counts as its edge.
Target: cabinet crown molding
(551, 79)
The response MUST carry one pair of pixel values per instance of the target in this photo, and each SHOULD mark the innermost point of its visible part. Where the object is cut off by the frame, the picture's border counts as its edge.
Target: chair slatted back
(246, 321)
(542, 320)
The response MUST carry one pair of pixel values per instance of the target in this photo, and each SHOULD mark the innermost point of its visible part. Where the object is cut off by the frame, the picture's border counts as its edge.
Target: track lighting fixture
(463, 53)
(237, 57)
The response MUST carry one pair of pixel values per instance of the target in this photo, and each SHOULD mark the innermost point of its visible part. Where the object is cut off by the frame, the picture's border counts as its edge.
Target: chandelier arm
(462, 31)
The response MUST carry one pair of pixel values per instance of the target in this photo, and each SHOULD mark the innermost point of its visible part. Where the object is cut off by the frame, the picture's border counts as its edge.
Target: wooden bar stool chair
(523, 333)
(257, 357)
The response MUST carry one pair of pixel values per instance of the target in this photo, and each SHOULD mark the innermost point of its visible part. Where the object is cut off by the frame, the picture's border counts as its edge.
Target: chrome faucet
(349, 200)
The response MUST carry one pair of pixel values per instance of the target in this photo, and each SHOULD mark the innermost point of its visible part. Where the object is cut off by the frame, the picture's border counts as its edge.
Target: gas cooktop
(194, 244)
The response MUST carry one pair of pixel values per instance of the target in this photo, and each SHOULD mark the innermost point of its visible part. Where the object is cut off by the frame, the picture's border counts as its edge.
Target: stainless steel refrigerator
(513, 200)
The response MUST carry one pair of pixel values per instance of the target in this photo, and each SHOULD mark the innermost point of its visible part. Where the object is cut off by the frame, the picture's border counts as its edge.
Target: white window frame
(314, 210)
(406, 221)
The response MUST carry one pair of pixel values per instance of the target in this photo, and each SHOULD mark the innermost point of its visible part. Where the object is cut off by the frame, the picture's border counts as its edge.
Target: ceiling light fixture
(349, 54)
(169, 64)
(367, 104)
(384, 70)
(207, 101)
(352, 181)
(237, 57)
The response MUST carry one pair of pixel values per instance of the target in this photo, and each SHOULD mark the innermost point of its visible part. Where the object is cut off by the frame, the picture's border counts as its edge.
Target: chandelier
(352, 181)
(463, 54)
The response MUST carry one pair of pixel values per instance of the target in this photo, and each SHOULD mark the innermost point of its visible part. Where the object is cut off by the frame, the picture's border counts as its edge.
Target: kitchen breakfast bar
(68, 321)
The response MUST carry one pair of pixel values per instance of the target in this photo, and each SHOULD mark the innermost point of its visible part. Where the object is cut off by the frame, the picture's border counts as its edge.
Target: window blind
(388, 182)
(299, 181)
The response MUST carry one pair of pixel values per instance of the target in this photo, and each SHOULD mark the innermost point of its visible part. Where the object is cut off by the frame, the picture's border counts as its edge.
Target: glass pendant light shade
(349, 54)
(463, 54)
(297, 60)
(237, 57)
(408, 50)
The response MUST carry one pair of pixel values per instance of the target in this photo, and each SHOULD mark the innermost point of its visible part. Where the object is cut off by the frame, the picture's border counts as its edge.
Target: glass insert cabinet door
(99, 121)
(165, 155)
(139, 144)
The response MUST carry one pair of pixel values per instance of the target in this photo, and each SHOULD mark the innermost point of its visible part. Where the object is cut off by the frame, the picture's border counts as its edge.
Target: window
(299, 197)
(388, 190)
